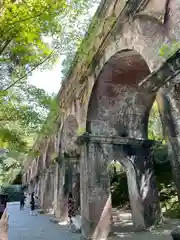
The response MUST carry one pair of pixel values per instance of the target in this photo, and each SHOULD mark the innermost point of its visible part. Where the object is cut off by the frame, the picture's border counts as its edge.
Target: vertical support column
(62, 212)
(64, 173)
(75, 180)
(51, 188)
(45, 190)
(42, 179)
(95, 192)
(53, 177)
(76, 183)
(142, 187)
(169, 109)
(56, 186)
(60, 172)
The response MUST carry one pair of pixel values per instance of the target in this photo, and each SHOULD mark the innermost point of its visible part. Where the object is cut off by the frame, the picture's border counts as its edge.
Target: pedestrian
(74, 224)
(71, 209)
(3, 203)
(22, 201)
(32, 203)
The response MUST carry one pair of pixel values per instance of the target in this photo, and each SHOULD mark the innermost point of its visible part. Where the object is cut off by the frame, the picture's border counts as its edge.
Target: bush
(14, 192)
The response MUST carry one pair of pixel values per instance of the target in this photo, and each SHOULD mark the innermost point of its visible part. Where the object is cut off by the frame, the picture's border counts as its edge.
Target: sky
(50, 80)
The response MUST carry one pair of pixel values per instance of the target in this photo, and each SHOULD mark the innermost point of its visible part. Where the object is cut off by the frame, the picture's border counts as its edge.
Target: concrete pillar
(61, 211)
(143, 194)
(95, 192)
(169, 108)
(64, 180)
(96, 153)
(56, 187)
(76, 182)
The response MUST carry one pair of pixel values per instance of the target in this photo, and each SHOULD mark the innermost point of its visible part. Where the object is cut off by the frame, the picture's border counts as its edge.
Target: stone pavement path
(22, 226)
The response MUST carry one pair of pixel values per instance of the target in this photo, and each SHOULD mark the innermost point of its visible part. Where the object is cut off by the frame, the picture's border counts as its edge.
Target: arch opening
(115, 98)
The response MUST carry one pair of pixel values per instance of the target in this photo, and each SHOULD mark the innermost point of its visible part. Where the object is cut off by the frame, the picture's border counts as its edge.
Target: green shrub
(14, 192)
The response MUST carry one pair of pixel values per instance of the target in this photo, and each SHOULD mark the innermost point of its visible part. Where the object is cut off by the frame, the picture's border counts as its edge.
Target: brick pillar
(168, 100)
(61, 211)
(136, 156)
(95, 193)
(96, 153)
(76, 181)
(56, 187)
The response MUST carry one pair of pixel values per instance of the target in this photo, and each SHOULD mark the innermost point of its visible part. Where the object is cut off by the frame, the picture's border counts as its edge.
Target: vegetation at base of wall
(13, 192)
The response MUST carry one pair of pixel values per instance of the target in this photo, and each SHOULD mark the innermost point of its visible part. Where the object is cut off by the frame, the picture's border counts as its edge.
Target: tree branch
(25, 19)
(7, 42)
(30, 71)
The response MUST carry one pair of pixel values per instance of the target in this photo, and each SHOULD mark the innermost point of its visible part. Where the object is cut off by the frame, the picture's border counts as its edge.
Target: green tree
(155, 131)
(33, 34)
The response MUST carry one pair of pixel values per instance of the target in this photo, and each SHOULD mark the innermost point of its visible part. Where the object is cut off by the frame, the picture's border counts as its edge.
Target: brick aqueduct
(105, 103)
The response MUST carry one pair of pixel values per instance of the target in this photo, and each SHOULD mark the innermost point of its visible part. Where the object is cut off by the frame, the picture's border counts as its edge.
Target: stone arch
(136, 37)
(115, 98)
(117, 123)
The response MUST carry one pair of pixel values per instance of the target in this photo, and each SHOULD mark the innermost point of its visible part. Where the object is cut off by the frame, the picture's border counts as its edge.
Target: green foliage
(77, 41)
(81, 131)
(22, 113)
(26, 28)
(13, 192)
(119, 189)
(155, 131)
(31, 33)
(167, 50)
(10, 166)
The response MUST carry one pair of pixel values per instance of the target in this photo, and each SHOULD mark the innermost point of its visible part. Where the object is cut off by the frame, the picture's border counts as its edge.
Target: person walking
(71, 211)
(71, 207)
(22, 202)
(32, 203)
